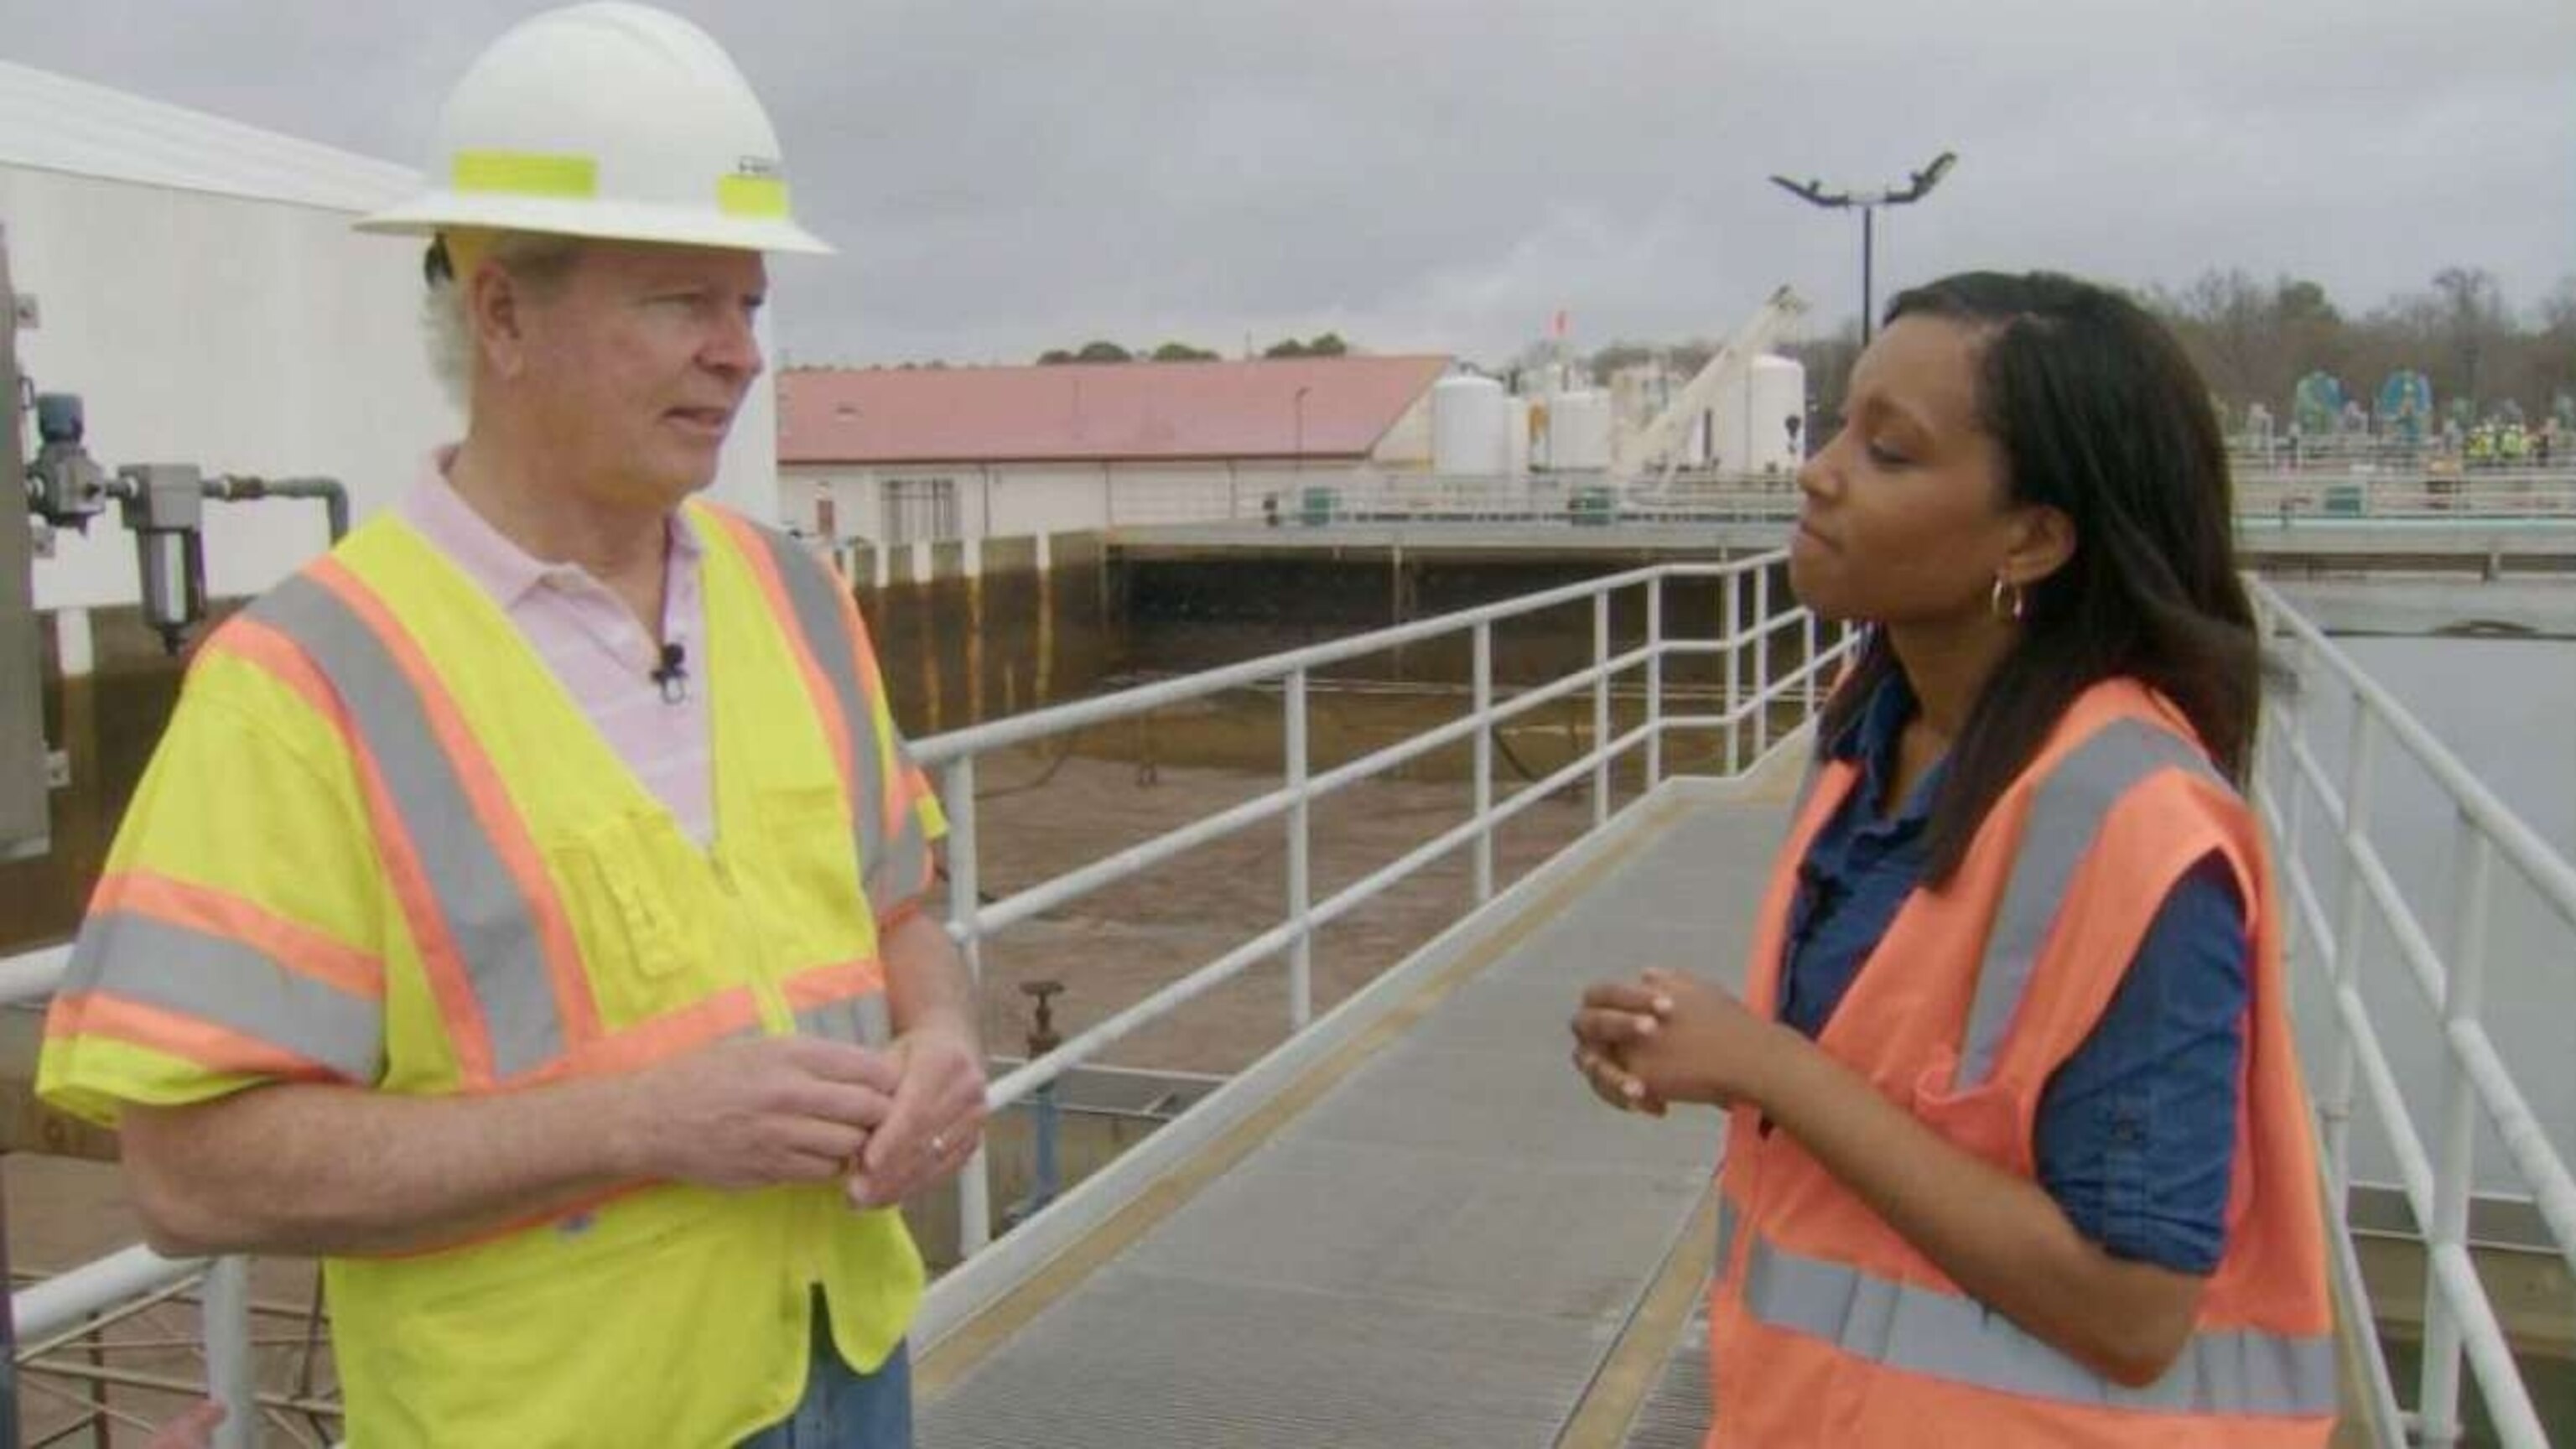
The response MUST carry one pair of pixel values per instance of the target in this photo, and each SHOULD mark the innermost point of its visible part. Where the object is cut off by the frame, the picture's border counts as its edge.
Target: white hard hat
(607, 120)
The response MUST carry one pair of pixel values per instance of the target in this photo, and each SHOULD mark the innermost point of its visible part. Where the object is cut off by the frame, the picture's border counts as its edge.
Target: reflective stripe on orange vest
(1956, 1338)
(2065, 818)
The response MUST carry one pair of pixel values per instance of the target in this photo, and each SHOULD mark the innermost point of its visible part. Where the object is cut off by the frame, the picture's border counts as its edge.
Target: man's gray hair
(538, 259)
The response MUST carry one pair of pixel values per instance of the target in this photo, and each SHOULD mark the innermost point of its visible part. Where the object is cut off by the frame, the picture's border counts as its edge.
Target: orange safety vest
(381, 846)
(1826, 1326)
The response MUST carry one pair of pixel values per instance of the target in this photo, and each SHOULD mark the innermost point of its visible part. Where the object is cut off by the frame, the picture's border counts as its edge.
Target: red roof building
(897, 455)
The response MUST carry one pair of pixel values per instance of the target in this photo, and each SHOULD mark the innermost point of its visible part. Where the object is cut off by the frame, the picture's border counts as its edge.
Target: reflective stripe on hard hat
(752, 196)
(523, 173)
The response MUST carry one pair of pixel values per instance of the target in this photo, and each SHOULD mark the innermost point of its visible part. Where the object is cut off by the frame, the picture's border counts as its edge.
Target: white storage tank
(1470, 427)
(1752, 418)
(1578, 432)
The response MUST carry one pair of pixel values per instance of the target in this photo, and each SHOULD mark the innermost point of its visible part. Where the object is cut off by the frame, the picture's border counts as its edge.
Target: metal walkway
(1408, 1224)
(1432, 1235)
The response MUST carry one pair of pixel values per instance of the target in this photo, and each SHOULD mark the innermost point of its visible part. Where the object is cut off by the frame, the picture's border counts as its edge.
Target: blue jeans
(843, 1408)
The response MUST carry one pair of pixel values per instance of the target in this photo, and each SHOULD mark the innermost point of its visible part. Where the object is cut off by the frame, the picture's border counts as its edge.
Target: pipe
(241, 488)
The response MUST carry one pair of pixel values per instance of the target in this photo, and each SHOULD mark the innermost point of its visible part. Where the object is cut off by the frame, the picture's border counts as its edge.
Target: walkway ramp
(1428, 1234)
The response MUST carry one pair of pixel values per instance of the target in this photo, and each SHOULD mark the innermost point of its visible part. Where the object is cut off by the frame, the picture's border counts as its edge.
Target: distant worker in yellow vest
(524, 912)
(2017, 1151)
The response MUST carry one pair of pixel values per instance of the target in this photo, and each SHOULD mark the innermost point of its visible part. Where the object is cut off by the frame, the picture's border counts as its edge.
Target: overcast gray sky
(1007, 175)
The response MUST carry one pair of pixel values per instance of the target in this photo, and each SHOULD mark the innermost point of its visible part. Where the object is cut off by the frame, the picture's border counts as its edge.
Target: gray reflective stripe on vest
(220, 981)
(859, 1019)
(1946, 1336)
(1725, 1232)
(814, 595)
(901, 869)
(478, 898)
(2064, 820)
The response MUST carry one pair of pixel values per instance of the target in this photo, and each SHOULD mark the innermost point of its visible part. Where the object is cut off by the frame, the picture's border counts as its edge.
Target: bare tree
(2474, 320)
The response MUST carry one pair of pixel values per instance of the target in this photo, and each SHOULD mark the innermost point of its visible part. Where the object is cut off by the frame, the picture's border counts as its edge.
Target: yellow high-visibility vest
(381, 845)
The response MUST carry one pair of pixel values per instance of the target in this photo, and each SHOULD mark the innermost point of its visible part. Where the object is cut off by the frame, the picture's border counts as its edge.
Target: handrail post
(1484, 651)
(1807, 658)
(1601, 708)
(1655, 680)
(965, 894)
(2293, 796)
(1301, 950)
(2438, 1402)
(2343, 964)
(1761, 660)
(1732, 625)
(231, 1372)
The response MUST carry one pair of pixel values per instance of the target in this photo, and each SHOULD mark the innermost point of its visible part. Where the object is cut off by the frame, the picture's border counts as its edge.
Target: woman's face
(1905, 519)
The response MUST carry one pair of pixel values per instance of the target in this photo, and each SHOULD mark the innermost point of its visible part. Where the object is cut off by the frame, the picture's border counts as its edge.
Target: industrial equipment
(1659, 444)
(63, 486)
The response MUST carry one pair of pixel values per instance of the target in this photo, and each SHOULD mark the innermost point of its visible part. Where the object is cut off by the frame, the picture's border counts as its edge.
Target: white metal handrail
(2459, 1315)
(1750, 696)
(2328, 490)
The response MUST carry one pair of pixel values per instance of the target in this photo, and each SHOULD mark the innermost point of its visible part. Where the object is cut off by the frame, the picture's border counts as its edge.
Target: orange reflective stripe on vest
(490, 928)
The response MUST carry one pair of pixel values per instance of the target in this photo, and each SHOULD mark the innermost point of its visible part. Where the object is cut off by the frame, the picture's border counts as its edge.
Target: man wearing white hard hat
(523, 912)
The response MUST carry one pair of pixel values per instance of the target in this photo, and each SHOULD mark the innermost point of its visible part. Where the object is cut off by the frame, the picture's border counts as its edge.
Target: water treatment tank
(1578, 432)
(1753, 419)
(1470, 421)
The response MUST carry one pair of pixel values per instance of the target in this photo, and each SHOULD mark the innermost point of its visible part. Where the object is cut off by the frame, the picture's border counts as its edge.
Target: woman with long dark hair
(2017, 1151)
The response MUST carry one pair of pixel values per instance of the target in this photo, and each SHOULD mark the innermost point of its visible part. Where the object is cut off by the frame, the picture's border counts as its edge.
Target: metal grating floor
(1675, 1415)
(1439, 1251)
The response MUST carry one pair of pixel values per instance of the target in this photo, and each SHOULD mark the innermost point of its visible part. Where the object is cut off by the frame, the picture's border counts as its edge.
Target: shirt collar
(506, 571)
(1871, 740)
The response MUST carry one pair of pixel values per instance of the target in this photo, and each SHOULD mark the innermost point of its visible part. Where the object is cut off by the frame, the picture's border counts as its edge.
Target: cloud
(1008, 175)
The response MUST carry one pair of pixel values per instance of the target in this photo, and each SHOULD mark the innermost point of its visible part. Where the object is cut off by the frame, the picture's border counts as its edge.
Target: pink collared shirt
(594, 644)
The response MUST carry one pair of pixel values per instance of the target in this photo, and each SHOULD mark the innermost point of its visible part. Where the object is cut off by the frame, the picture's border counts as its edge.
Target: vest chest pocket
(809, 884)
(642, 904)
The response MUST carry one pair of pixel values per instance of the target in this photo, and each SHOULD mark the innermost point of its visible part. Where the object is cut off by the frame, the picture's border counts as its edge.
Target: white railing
(1750, 624)
(56, 1311)
(2331, 494)
(2449, 984)
(1363, 497)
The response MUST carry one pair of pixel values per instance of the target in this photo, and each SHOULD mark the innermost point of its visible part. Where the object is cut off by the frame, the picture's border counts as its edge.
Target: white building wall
(1020, 500)
(245, 336)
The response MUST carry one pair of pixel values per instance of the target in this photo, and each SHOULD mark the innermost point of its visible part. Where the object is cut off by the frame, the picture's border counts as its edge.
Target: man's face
(637, 362)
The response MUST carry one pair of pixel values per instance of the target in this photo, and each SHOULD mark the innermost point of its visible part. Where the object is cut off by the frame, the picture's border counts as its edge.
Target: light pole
(1915, 189)
(1297, 449)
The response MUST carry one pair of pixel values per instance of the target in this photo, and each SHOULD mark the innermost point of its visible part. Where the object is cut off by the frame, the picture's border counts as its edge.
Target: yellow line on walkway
(1609, 1405)
(953, 1357)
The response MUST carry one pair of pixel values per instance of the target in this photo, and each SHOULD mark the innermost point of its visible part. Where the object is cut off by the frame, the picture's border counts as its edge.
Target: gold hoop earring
(2007, 600)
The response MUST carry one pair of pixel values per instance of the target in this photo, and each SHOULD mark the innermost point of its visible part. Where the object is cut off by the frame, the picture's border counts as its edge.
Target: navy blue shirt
(2136, 1132)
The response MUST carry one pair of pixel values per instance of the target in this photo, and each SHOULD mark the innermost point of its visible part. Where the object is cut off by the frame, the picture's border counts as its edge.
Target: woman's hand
(1666, 1037)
